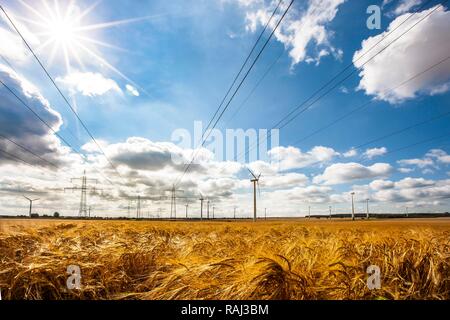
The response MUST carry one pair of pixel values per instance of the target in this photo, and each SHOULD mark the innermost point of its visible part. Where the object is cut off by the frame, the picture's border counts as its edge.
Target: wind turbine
(367, 214)
(201, 205)
(353, 206)
(31, 203)
(255, 181)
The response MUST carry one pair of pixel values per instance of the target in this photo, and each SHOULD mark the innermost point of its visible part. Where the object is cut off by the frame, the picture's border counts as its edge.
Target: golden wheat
(225, 260)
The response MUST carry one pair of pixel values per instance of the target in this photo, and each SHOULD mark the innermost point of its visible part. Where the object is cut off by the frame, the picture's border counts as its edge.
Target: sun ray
(66, 59)
(88, 10)
(58, 13)
(37, 13)
(111, 67)
(60, 27)
(78, 59)
(37, 23)
(52, 54)
(44, 45)
(117, 23)
(101, 43)
(49, 10)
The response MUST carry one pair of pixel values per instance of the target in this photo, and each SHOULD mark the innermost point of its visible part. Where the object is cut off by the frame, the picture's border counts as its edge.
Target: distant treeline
(334, 216)
(385, 215)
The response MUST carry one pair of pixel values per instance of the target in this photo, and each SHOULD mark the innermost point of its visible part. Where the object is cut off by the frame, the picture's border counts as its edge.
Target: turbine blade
(251, 172)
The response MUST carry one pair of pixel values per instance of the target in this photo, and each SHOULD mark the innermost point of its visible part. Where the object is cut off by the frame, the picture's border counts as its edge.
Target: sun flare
(66, 36)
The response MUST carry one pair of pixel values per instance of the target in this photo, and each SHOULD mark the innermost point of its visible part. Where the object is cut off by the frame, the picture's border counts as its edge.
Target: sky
(140, 74)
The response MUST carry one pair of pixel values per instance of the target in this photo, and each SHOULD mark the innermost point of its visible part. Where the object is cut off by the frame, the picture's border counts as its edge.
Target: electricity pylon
(173, 201)
(83, 210)
(138, 207)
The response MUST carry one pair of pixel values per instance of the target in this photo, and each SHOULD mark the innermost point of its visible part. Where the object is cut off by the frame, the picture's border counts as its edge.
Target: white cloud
(11, 46)
(343, 89)
(439, 155)
(381, 185)
(421, 163)
(409, 183)
(392, 67)
(405, 6)
(303, 32)
(284, 180)
(405, 170)
(375, 152)
(293, 158)
(350, 153)
(339, 173)
(89, 83)
(132, 90)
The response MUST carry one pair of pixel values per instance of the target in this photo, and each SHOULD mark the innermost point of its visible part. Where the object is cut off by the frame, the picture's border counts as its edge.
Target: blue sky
(181, 56)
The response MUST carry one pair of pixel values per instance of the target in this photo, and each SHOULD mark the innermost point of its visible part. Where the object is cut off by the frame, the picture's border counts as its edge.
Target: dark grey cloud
(20, 125)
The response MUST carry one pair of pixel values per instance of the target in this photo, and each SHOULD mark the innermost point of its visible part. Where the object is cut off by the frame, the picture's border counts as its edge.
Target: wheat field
(273, 259)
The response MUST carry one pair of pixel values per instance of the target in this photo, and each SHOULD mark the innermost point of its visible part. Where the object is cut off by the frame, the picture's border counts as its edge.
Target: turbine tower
(367, 214)
(201, 206)
(255, 182)
(31, 203)
(353, 206)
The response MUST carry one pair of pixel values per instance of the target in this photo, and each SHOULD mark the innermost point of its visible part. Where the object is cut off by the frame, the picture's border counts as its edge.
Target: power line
(447, 135)
(353, 71)
(240, 84)
(29, 151)
(68, 130)
(239, 108)
(49, 126)
(59, 91)
(363, 106)
(267, 136)
(19, 159)
(439, 116)
(243, 65)
(233, 83)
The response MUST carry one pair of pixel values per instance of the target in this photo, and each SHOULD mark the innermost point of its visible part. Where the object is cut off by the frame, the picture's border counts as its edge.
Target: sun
(65, 35)
(63, 31)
